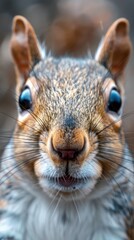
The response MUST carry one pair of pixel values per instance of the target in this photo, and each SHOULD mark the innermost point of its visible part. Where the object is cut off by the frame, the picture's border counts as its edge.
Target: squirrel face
(69, 123)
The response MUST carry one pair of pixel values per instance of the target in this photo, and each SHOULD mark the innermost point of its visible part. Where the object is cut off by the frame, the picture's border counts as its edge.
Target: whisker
(76, 207)
(58, 202)
(51, 203)
(118, 164)
(116, 121)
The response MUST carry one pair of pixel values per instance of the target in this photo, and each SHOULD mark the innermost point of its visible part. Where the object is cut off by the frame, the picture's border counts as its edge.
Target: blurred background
(70, 27)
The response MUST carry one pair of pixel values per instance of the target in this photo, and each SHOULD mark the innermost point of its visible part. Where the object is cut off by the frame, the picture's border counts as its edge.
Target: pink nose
(67, 154)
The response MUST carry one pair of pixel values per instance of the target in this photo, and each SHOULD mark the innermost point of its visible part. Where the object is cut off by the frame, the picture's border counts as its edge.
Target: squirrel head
(68, 135)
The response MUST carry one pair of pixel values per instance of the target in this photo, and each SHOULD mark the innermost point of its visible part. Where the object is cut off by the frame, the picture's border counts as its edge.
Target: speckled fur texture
(69, 109)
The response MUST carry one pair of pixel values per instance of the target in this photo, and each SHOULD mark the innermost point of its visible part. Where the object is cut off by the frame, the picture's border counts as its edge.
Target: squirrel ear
(115, 49)
(24, 46)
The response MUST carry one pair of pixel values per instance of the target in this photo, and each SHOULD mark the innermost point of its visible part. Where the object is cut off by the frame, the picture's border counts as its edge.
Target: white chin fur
(89, 172)
(78, 191)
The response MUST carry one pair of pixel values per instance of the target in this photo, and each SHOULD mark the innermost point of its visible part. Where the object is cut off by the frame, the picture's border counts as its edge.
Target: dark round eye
(25, 99)
(114, 102)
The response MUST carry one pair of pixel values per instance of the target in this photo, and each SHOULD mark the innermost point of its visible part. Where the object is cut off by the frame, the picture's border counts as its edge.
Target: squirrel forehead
(69, 72)
(69, 87)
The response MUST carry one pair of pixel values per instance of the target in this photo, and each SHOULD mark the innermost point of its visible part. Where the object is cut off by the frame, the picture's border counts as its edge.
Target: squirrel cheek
(37, 169)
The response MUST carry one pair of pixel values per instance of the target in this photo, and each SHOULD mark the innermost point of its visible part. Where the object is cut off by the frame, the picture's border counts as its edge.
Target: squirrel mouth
(67, 181)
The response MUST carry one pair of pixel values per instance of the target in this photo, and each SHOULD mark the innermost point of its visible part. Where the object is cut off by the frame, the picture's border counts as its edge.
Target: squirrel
(67, 172)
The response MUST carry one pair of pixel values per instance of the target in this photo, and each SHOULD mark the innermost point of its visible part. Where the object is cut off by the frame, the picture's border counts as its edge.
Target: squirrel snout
(68, 146)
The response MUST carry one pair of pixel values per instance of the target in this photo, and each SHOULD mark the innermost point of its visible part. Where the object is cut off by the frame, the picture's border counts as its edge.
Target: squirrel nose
(68, 148)
(67, 154)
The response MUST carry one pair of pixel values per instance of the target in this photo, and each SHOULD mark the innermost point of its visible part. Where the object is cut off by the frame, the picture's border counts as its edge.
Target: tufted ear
(115, 49)
(24, 46)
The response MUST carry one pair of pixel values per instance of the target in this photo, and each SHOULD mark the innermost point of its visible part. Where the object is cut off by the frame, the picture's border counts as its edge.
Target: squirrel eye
(114, 102)
(25, 99)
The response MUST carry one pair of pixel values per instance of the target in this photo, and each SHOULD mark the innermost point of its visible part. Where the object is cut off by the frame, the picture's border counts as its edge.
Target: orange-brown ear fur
(24, 46)
(116, 47)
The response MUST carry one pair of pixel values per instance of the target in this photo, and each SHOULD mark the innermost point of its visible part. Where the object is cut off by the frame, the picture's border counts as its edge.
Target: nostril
(68, 148)
(67, 154)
